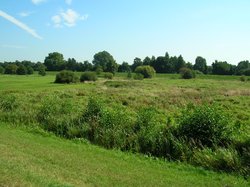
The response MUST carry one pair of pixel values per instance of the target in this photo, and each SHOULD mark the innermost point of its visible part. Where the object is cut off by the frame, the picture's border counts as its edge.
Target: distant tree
(87, 66)
(21, 70)
(200, 64)
(71, 64)
(146, 71)
(54, 62)
(11, 69)
(42, 70)
(189, 65)
(146, 61)
(106, 61)
(242, 66)
(124, 67)
(160, 64)
(221, 68)
(137, 62)
(2, 70)
(30, 70)
(180, 63)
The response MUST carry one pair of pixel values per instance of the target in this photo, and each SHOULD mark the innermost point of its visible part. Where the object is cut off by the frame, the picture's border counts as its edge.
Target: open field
(30, 157)
(36, 102)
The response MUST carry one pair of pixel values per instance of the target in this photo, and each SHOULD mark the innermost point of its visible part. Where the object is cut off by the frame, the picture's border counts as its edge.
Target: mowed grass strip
(37, 159)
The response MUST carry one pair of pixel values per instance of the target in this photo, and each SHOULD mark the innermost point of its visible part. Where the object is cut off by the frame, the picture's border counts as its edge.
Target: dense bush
(2, 70)
(243, 79)
(41, 70)
(66, 77)
(205, 125)
(187, 73)
(246, 72)
(21, 70)
(88, 76)
(108, 75)
(138, 76)
(146, 71)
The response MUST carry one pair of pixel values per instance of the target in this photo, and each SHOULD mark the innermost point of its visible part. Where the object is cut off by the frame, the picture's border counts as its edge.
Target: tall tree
(221, 68)
(54, 62)
(180, 63)
(124, 67)
(106, 61)
(201, 64)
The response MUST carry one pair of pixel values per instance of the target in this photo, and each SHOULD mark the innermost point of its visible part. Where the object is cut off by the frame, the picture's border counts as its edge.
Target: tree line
(104, 62)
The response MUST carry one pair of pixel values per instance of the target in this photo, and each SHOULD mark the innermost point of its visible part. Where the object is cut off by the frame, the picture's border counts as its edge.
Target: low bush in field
(88, 76)
(138, 76)
(187, 73)
(146, 71)
(205, 125)
(66, 76)
(108, 75)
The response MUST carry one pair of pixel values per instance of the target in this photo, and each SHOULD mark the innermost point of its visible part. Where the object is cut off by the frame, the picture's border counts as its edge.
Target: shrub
(21, 70)
(243, 79)
(2, 70)
(30, 70)
(66, 76)
(88, 76)
(187, 73)
(205, 125)
(146, 71)
(108, 75)
(138, 76)
(42, 70)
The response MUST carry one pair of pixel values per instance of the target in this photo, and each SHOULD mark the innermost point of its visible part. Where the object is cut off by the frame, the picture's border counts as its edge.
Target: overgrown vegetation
(66, 77)
(144, 117)
(88, 76)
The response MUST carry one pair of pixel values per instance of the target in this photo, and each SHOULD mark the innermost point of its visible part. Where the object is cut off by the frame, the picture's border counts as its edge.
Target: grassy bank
(38, 159)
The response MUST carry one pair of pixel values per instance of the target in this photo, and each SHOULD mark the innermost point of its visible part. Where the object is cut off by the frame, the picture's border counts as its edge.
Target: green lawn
(29, 158)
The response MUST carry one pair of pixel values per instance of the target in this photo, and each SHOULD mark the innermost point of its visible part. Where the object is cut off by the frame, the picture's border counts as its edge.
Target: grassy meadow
(32, 103)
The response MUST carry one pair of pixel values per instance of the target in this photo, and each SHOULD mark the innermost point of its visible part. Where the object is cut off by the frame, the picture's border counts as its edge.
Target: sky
(213, 29)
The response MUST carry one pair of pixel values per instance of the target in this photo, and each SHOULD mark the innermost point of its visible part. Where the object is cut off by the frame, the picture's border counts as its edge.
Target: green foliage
(220, 159)
(11, 69)
(187, 73)
(106, 61)
(30, 70)
(56, 115)
(138, 76)
(108, 75)
(21, 70)
(221, 68)
(8, 103)
(243, 79)
(205, 125)
(129, 75)
(88, 76)
(2, 70)
(146, 71)
(66, 77)
(41, 70)
(200, 65)
(54, 62)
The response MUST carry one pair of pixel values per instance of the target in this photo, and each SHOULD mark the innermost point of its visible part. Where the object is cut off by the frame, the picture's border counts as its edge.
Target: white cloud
(68, 18)
(57, 21)
(25, 14)
(20, 24)
(36, 2)
(68, 2)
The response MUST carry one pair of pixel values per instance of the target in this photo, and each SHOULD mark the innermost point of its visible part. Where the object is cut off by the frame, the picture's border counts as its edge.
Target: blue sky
(214, 29)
